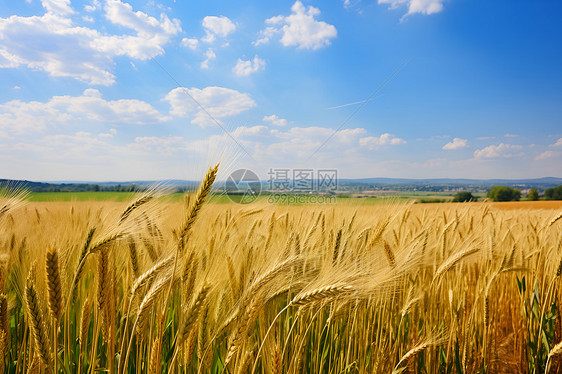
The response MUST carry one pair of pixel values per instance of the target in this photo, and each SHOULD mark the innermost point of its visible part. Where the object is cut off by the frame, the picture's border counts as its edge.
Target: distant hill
(72, 186)
(546, 181)
(346, 184)
(169, 182)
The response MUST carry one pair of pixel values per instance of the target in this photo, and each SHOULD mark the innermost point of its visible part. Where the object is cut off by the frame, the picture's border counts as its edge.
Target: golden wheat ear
(54, 284)
(84, 323)
(554, 220)
(193, 313)
(145, 198)
(5, 315)
(37, 325)
(321, 294)
(198, 200)
(81, 262)
(11, 198)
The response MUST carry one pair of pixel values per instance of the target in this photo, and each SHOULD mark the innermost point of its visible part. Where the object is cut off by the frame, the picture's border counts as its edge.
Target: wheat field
(194, 287)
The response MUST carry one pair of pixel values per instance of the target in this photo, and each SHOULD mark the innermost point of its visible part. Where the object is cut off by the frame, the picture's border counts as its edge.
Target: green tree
(533, 194)
(462, 196)
(553, 193)
(504, 193)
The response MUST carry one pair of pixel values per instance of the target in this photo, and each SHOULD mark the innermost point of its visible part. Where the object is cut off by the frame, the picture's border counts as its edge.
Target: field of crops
(156, 286)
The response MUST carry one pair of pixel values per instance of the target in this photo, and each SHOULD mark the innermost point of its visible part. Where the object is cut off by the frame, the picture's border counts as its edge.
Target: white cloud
(60, 7)
(220, 102)
(60, 139)
(548, 154)
(152, 34)
(318, 134)
(435, 163)
(251, 131)
(109, 134)
(93, 7)
(457, 143)
(299, 29)
(497, 151)
(191, 43)
(4, 135)
(508, 135)
(266, 34)
(54, 44)
(167, 145)
(288, 145)
(217, 26)
(210, 56)
(152, 156)
(21, 116)
(557, 144)
(245, 68)
(416, 6)
(294, 144)
(275, 120)
(373, 142)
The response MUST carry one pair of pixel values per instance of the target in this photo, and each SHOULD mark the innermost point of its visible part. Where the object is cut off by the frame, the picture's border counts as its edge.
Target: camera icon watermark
(284, 186)
(243, 186)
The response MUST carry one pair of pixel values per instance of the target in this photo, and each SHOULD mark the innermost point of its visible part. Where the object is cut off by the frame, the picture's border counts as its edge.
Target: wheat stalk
(242, 328)
(193, 314)
(556, 350)
(321, 294)
(145, 198)
(453, 260)
(153, 293)
(81, 262)
(555, 219)
(102, 243)
(4, 343)
(54, 284)
(4, 315)
(336, 250)
(155, 356)
(277, 361)
(198, 201)
(148, 275)
(37, 326)
(34, 365)
(85, 323)
(204, 354)
(133, 256)
(389, 255)
(103, 289)
(435, 340)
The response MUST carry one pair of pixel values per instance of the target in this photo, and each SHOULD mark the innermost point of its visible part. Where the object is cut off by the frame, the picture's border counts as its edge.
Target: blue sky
(89, 90)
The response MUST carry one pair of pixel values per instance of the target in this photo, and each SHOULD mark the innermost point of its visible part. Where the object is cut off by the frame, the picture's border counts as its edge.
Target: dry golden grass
(190, 287)
(511, 205)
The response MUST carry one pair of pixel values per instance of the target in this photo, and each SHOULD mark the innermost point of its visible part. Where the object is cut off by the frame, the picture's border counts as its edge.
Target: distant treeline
(80, 187)
(505, 193)
(495, 193)
(553, 193)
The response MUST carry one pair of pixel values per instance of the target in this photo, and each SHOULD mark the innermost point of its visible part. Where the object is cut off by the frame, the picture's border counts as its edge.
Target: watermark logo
(302, 186)
(243, 186)
(303, 180)
(284, 186)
